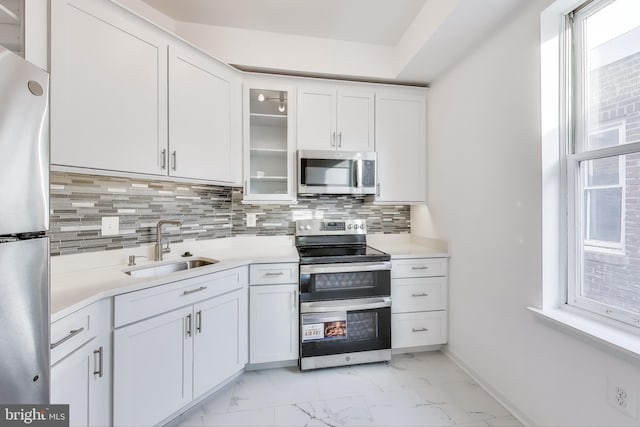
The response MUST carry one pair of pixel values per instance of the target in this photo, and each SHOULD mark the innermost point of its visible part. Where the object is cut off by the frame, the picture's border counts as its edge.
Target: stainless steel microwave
(336, 172)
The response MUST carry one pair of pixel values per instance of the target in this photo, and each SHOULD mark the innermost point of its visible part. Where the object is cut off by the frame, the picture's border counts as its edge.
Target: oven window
(340, 326)
(337, 281)
(363, 325)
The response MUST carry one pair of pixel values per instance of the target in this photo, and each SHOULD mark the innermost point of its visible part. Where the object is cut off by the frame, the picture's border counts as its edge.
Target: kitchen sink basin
(164, 268)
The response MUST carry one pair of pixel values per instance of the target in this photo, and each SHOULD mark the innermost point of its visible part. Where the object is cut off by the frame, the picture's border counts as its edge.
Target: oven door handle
(345, 305)
(354, 267)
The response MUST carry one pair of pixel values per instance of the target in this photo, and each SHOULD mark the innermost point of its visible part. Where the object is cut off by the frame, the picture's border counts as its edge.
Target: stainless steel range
(345, 295)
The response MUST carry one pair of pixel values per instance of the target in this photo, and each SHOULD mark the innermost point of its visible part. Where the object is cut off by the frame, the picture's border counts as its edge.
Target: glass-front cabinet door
(269, 142)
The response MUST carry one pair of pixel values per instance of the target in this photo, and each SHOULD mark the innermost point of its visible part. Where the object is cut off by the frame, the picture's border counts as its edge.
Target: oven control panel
(314, 227)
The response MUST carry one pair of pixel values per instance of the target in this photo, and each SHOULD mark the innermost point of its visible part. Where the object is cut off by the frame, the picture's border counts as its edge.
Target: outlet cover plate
(251, 219)
(110, 225)
(621, 395)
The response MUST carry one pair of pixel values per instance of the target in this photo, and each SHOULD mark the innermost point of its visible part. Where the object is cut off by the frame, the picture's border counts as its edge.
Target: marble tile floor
(418, 389)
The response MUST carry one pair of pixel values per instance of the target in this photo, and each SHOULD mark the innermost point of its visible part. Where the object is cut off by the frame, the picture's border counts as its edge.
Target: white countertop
(79, 280)
(408, 246)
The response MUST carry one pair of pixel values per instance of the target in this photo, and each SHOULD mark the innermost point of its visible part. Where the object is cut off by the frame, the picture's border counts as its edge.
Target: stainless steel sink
(164, 268)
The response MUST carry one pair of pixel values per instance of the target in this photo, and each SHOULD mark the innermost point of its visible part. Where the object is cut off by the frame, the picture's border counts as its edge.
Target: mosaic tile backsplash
(78, 203)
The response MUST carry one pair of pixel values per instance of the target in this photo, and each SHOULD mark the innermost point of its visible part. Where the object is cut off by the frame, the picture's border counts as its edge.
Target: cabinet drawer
(419, 267)
(139, 305)
(418, 294)
(418, 329)
(269, 274)
(76, 329)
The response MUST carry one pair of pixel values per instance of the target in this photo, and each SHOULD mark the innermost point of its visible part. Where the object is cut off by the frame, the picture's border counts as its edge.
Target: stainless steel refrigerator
(24, 220)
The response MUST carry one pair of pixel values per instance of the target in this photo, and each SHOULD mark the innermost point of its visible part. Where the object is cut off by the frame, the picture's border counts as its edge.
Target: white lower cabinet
(419, 309)
(220, 340)
(164, 362)
(273, 324)
(152, 363)
(81, 364)
(273, 302)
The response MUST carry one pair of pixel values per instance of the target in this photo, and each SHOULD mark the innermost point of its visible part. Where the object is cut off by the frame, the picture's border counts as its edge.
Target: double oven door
(345, 313)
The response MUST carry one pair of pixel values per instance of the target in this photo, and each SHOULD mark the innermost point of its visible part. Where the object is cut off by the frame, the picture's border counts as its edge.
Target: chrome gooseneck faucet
(159, 249)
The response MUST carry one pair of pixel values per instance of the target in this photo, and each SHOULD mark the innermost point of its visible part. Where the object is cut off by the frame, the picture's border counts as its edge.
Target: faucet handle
(132, 259)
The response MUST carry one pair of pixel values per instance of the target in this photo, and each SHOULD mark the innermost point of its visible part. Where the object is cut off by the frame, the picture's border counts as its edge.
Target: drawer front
(418, 294)
(418, 329)
(76, 329)
(270, 274)
(419, 267)
(135, 306)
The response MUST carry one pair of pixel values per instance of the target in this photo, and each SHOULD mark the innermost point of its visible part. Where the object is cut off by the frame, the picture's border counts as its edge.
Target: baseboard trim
(486, 386)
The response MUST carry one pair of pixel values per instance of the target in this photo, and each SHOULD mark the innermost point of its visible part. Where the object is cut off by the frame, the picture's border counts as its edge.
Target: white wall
(485, 197)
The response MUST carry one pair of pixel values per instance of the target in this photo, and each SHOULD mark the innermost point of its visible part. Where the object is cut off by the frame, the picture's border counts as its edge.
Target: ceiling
(380, 22)
(399, 41)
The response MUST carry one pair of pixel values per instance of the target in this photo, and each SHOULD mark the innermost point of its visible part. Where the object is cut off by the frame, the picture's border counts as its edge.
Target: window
(603, 159)
(603, 183)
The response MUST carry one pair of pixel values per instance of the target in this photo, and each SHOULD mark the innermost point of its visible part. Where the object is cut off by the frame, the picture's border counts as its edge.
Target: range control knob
(349, 227)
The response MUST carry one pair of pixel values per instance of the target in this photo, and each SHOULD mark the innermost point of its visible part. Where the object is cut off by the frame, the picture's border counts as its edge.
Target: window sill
(620, 341)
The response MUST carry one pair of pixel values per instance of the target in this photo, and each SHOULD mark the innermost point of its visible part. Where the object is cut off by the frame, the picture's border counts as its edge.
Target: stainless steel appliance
(336, 172)
(24, 218)
(345, 295)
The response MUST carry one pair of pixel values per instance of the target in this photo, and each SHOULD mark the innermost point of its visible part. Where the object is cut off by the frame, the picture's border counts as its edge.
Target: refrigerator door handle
(72, 333)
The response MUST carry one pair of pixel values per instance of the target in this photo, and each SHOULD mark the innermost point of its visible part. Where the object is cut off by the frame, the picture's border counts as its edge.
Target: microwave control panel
(368, 173)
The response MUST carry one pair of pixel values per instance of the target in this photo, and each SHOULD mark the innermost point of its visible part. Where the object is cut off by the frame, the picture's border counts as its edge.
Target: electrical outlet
(110, 225)
(622, 396)
(251, 219)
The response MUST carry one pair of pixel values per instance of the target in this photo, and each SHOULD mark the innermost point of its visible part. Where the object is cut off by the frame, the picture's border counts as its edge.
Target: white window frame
(562, 154)
(593, 328)
(592, 245)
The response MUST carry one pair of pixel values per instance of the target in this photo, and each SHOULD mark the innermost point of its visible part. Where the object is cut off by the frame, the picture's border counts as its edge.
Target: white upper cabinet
(203, 117)
(401, 146)
(108, 89)
(129, 97)
(355, 113)
(335, 118)
(269, 140)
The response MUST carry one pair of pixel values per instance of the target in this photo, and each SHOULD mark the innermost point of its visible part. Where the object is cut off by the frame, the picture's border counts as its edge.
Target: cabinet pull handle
(245, 188)
(333, 139)
(424, 267)
(163, 154)
(340, 139)
(100, 353)
(294, 301)
(72, 333)
(193, 291)
(174, 157)
(199, 322)
(378, 189)
(424, 294)
(189, 318)
(419, 330)
(271, 274)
